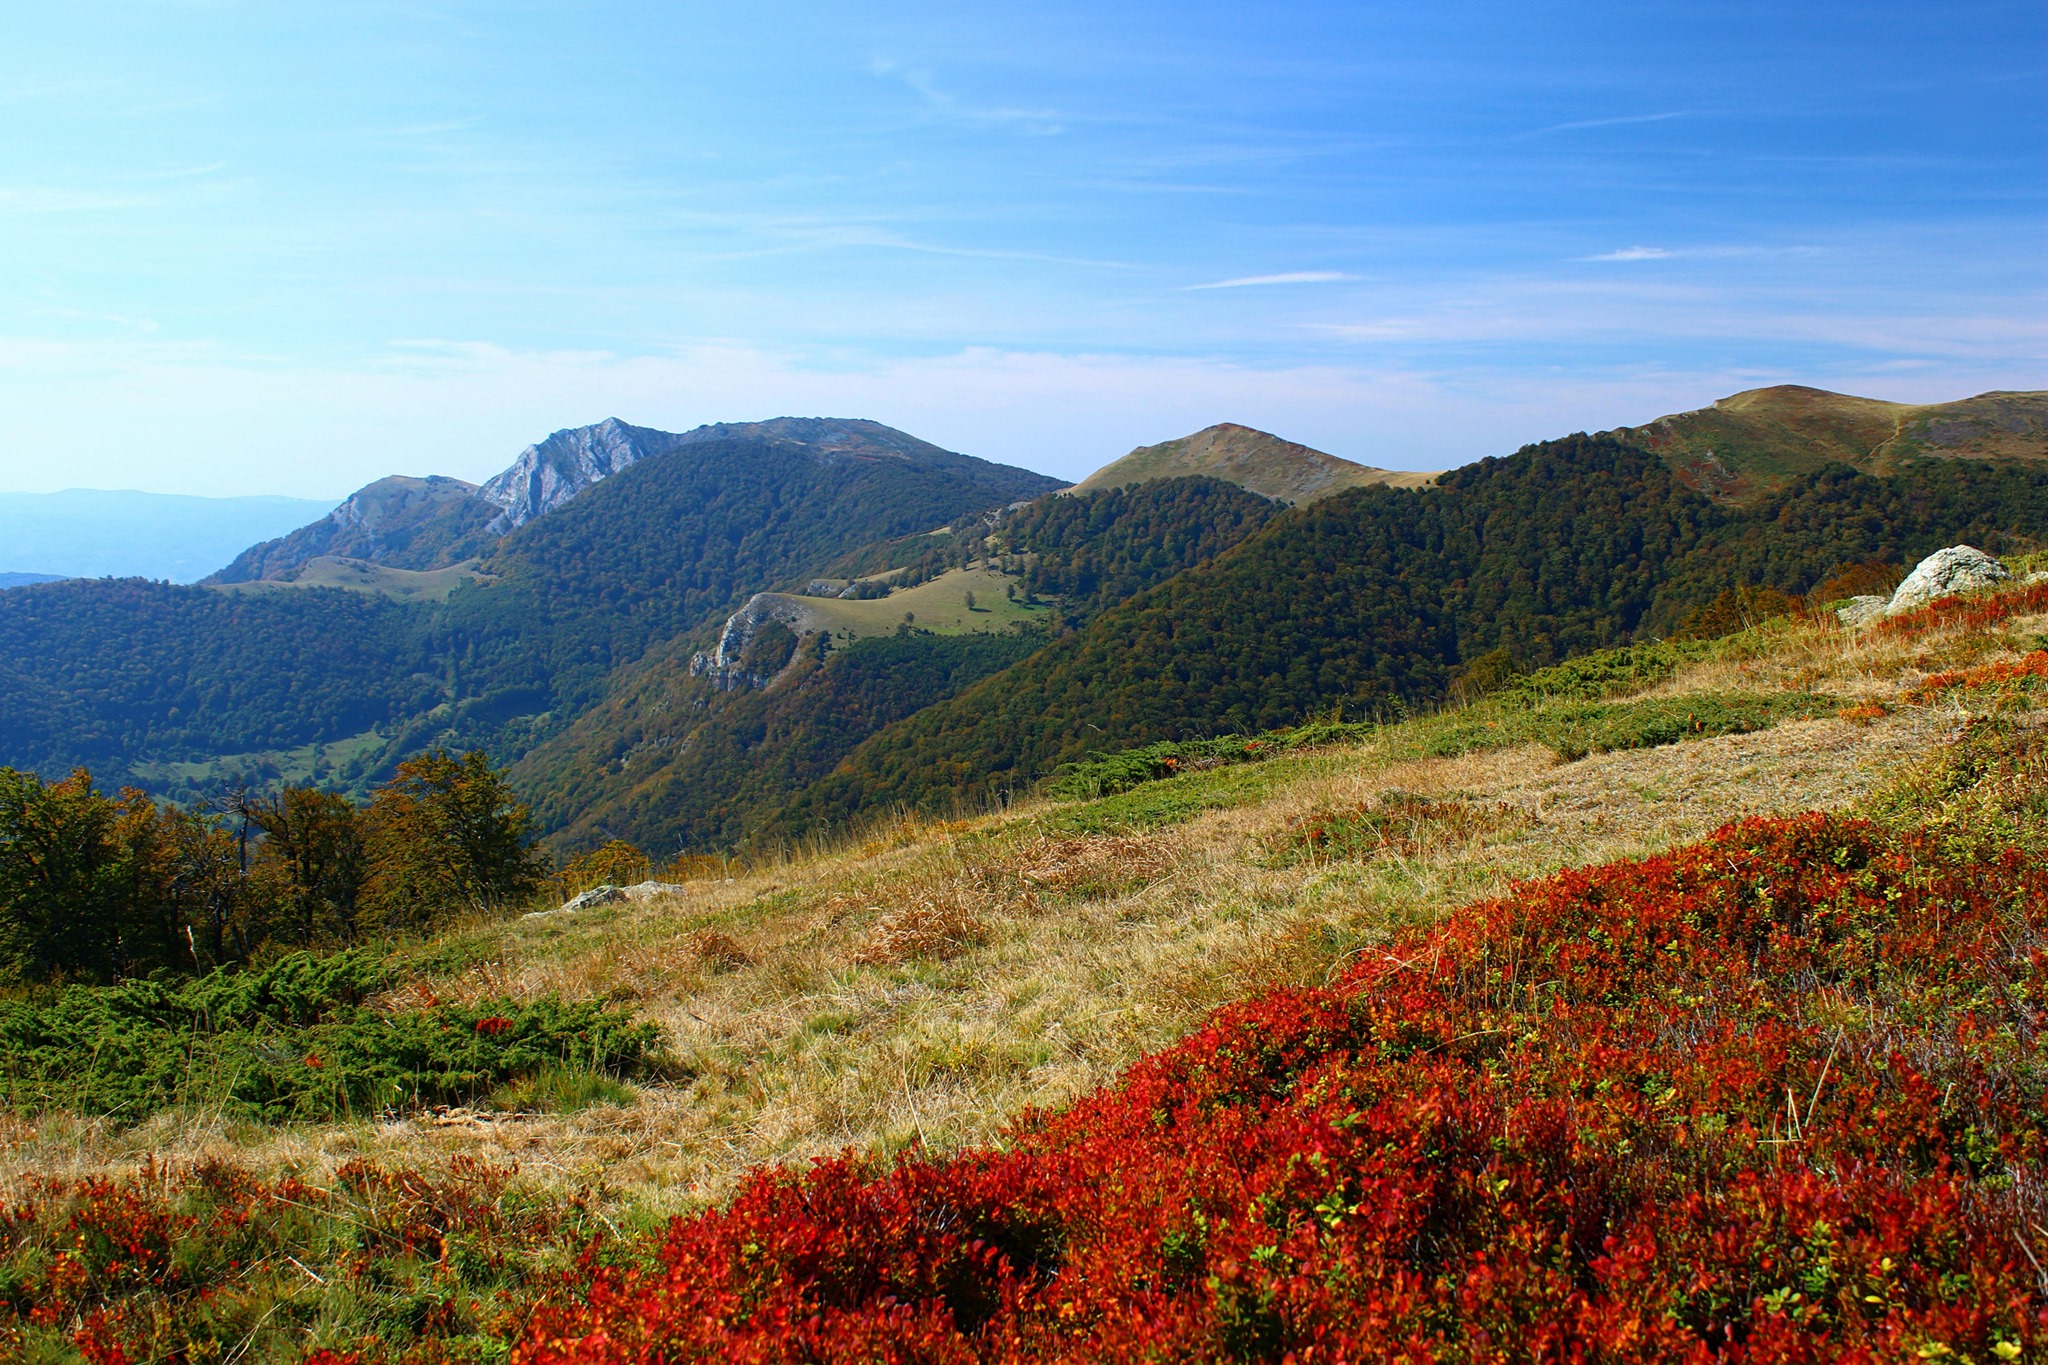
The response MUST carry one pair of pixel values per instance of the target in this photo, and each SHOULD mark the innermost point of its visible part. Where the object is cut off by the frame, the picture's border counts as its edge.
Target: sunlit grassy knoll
(362, 575)
(939, 605)
(929, 980)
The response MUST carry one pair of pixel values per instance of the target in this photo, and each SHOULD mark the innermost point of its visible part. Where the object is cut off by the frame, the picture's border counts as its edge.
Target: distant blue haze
(88, 533)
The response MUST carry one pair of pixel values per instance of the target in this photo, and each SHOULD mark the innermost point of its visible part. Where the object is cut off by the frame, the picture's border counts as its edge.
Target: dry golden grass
(930, 982)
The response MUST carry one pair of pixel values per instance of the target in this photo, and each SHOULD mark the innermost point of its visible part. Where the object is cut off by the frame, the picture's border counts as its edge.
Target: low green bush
(292, 1041)
(1605, 674)
(1576, 729)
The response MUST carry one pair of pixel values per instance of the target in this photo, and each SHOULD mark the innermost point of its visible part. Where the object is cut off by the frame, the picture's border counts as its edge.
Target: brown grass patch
(933, 928)
(1394, 824)
(1093, 867)
(719, 952)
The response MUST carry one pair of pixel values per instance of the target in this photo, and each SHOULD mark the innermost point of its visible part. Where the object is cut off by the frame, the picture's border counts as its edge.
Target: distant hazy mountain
(400, 522)
(95, 533)
(1252, 459)
(23, 580)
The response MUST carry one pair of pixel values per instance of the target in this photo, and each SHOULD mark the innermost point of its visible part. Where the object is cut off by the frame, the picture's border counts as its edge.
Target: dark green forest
(101, 672)
(1094, 550)
(1370, 601)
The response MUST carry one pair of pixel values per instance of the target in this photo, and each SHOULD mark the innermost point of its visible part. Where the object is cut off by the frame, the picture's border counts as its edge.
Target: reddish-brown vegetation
(170, 1264)
(1777, 1096)
(2018, 674)
(1967, 613)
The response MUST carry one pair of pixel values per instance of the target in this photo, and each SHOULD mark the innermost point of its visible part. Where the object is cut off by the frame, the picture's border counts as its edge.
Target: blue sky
(288, 248)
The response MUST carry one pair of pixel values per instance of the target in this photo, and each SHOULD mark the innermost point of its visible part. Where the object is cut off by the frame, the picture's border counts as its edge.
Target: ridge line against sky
(266, 249)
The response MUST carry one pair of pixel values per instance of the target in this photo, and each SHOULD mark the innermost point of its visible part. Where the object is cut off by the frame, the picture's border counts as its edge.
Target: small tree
(61, 879)
(314, 860)
(445, 835)
(970, 601)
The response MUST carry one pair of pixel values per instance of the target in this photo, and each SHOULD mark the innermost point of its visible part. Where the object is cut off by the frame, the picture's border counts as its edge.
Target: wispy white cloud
(1286, 277)
(182, 172)
(1042, 122)
(1712, 253)
(1623, 120)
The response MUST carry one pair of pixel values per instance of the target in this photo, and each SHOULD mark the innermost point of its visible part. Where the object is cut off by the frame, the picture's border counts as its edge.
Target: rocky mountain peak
(549, 474)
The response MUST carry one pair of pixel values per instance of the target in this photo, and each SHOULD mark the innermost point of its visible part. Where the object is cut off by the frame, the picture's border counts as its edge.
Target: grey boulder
(1959, 568)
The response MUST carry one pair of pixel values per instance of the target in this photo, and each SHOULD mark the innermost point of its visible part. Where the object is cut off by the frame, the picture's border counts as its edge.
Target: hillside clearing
(362, 575)
(939, 605)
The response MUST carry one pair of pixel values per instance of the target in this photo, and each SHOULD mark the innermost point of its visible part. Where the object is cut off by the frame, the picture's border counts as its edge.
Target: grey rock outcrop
(1959, 568)
(727, 665)
(609, 894)
(1861, 611)
(549, 474)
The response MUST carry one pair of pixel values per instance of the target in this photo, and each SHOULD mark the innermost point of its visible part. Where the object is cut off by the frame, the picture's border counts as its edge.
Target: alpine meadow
(1508, 827)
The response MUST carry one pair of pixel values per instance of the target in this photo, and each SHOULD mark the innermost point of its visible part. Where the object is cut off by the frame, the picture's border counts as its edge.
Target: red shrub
(1967, 613)
(2020, 673)
(1778, 1096)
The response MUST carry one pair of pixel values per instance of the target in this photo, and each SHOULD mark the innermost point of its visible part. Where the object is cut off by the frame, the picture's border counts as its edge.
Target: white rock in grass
(647, 891)
(1861, 611)
(1959, 568)
(589, 900)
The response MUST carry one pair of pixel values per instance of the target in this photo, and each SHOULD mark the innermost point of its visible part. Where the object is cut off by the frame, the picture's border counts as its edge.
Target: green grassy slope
(1750, 444)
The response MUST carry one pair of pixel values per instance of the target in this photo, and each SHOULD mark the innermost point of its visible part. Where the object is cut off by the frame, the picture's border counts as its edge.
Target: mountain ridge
(434, 522)
(1749, 444)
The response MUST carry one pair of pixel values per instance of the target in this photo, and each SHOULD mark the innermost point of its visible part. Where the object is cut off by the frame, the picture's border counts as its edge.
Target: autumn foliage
(1776, 1096)
(2026, 673)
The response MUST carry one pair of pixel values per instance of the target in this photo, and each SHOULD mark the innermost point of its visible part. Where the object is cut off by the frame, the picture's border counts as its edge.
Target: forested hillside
(101, 672)
(119, 673)
(1165, 608)
(668, 761)
(1371, 600)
